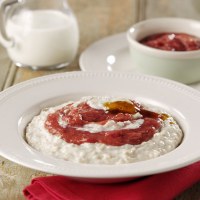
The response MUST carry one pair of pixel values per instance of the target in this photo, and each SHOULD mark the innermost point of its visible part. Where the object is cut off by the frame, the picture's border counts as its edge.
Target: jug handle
(4, 39)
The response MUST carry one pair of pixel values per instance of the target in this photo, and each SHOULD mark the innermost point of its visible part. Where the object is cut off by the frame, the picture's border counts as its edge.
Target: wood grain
(5, 65)
(97, 19)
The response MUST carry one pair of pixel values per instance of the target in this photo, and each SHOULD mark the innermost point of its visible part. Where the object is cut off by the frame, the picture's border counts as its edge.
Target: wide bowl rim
(48, 87)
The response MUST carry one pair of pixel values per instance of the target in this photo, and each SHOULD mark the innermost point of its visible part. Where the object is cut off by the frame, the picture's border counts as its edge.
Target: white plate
(21, 102)
(108, 54)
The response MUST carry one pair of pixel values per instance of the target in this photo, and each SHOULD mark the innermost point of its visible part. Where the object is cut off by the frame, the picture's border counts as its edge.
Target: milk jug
(40, 34)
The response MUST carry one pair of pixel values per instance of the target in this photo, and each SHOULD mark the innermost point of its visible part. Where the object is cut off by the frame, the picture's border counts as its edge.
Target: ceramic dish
(21, 102)
(108, 54)
(111, 54)
(182, 66)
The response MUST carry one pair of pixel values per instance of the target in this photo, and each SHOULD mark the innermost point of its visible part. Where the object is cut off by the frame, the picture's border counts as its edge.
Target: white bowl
(183, 66)
(179, 100)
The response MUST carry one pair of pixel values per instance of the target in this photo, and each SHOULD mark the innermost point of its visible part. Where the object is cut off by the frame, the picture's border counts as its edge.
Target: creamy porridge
(103, 130)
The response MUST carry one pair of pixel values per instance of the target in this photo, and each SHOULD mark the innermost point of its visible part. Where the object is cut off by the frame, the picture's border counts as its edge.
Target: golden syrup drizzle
(131, 108)
(121, 106)
(163, 116)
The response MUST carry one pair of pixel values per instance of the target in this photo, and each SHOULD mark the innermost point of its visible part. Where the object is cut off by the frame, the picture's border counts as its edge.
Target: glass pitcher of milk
(40, 34)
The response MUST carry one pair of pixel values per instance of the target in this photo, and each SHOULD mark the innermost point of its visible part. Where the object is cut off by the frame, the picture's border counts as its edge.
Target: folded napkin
(163, 186)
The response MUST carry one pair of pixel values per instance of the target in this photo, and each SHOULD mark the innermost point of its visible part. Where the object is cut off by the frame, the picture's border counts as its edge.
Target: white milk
(43, 38)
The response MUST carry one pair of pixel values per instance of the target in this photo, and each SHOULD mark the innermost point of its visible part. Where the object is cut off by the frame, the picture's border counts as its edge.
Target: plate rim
(75, 75)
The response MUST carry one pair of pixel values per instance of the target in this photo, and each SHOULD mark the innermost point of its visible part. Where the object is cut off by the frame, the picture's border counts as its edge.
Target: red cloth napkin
(163, 186)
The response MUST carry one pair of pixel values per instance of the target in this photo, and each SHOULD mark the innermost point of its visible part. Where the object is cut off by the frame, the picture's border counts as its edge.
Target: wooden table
(97, 19)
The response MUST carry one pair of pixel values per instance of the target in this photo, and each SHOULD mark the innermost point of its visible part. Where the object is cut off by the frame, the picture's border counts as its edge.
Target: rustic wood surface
(97, 19)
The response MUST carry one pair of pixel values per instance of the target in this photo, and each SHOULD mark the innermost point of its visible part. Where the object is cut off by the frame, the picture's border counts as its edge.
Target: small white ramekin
(182, 66)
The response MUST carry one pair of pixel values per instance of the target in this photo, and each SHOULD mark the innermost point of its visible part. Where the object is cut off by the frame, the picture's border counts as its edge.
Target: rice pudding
(104, 130)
